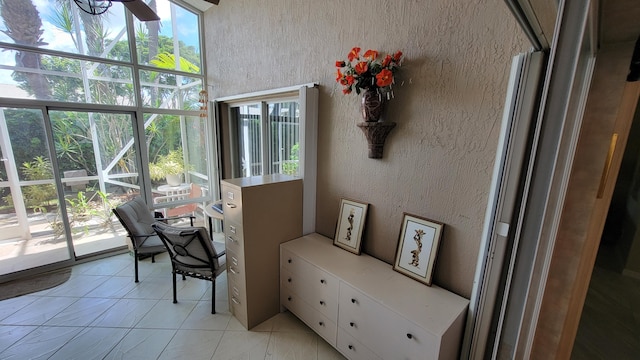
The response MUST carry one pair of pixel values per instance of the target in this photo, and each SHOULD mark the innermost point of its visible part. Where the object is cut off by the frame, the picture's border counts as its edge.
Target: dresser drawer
(382, 330)
(319, 323)
(232, 204)
(235, 268)
(318, 288)
(352, 348)
(234, 237)
(238, 308)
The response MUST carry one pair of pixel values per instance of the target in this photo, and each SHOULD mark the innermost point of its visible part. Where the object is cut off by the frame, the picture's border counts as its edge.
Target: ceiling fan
(138, 8)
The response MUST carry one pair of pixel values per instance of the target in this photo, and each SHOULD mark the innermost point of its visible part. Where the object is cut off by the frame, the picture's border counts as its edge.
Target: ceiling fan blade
(141, 10)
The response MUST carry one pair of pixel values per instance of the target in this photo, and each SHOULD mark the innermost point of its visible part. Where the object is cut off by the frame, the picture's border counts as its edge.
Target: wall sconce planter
(376, 134)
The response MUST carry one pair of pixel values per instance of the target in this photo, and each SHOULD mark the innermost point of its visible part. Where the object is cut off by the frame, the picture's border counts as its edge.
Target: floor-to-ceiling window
(95, 110)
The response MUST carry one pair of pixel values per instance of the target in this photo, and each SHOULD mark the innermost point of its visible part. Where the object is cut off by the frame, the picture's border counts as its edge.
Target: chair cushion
(136, 216)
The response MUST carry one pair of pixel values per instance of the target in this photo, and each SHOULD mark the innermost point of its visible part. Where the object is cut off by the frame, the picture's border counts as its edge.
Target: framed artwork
(417, 247)
(350, 225)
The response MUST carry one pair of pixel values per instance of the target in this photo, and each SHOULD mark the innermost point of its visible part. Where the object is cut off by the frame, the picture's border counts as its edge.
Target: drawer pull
(321, 302)
(234, 260)
(233, 270)
(232, 229)
(352, 324)
(409, 336)
(322, 281)
(235, 301)
(354, 301)
(289, 298)
(231, 205)
(236, 291)
(289, 261)
(231, 239)
(320, 323)
(289, 280)
(350, 347)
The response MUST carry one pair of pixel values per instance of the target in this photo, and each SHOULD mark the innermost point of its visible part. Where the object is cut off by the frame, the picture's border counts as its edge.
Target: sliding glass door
(62, 172)
(98, 169)
(30, 231)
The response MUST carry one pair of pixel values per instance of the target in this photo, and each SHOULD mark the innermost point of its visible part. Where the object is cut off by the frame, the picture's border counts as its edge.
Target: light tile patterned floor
(100, 313)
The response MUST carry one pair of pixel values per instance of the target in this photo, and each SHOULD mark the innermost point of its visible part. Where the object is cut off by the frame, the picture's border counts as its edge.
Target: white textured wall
(439, 159)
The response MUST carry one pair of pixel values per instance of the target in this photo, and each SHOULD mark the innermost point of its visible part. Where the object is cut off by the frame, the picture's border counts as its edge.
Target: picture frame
(418, 247)
(350, 226)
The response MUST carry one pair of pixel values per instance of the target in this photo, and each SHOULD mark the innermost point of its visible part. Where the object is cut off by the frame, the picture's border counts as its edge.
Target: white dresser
(364, 308)
(260, 213)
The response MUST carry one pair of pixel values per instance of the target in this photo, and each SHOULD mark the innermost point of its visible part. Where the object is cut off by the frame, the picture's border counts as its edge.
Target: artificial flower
(368, 73)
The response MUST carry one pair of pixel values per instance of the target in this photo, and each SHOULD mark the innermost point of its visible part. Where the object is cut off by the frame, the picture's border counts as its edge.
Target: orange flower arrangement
(367, 72)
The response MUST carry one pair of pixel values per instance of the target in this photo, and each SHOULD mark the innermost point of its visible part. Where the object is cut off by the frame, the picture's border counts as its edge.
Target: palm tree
(25, 27)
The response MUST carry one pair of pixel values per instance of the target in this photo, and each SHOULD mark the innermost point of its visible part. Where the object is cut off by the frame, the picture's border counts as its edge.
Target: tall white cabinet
(364, 308)
(260, 213)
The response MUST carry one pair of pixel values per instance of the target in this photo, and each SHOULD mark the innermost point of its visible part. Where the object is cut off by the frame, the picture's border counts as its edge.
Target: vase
(174, 179)
(372, 106)
(376, 134)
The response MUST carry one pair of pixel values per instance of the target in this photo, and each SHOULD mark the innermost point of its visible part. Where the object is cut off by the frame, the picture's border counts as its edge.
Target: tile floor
(100, 313)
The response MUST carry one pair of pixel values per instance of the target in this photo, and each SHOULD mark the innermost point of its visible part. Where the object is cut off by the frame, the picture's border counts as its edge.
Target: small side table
(212, 213)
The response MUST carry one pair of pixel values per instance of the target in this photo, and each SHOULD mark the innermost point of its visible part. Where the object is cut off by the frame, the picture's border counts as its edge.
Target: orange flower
(371, 55)
(384, 78)
(340, 64)
(346, 91)
(350, 79)
(397, 56)
(354, 54)
(339, 75)
(361, 67)
(386, 61)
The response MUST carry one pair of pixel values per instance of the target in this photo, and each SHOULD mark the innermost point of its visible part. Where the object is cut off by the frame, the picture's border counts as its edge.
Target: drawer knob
(322, 281)
(289, 261)
(289, 279)
(320, 323)
(350, 347)
(354, 301)
(321, 302)
(289, 298)
(231, 205)
(352, 324)
(409, 336)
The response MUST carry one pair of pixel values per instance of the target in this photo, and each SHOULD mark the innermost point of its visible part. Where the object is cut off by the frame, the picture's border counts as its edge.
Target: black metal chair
(136, 218)
(193, 254)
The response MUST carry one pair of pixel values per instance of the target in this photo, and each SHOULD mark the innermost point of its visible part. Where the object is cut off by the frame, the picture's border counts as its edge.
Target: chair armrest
(190, 217)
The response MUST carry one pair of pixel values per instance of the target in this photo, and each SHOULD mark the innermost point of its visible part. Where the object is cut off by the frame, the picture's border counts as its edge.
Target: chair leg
(135, 263)
(153, 258)
(175, 296)
(213, 296)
